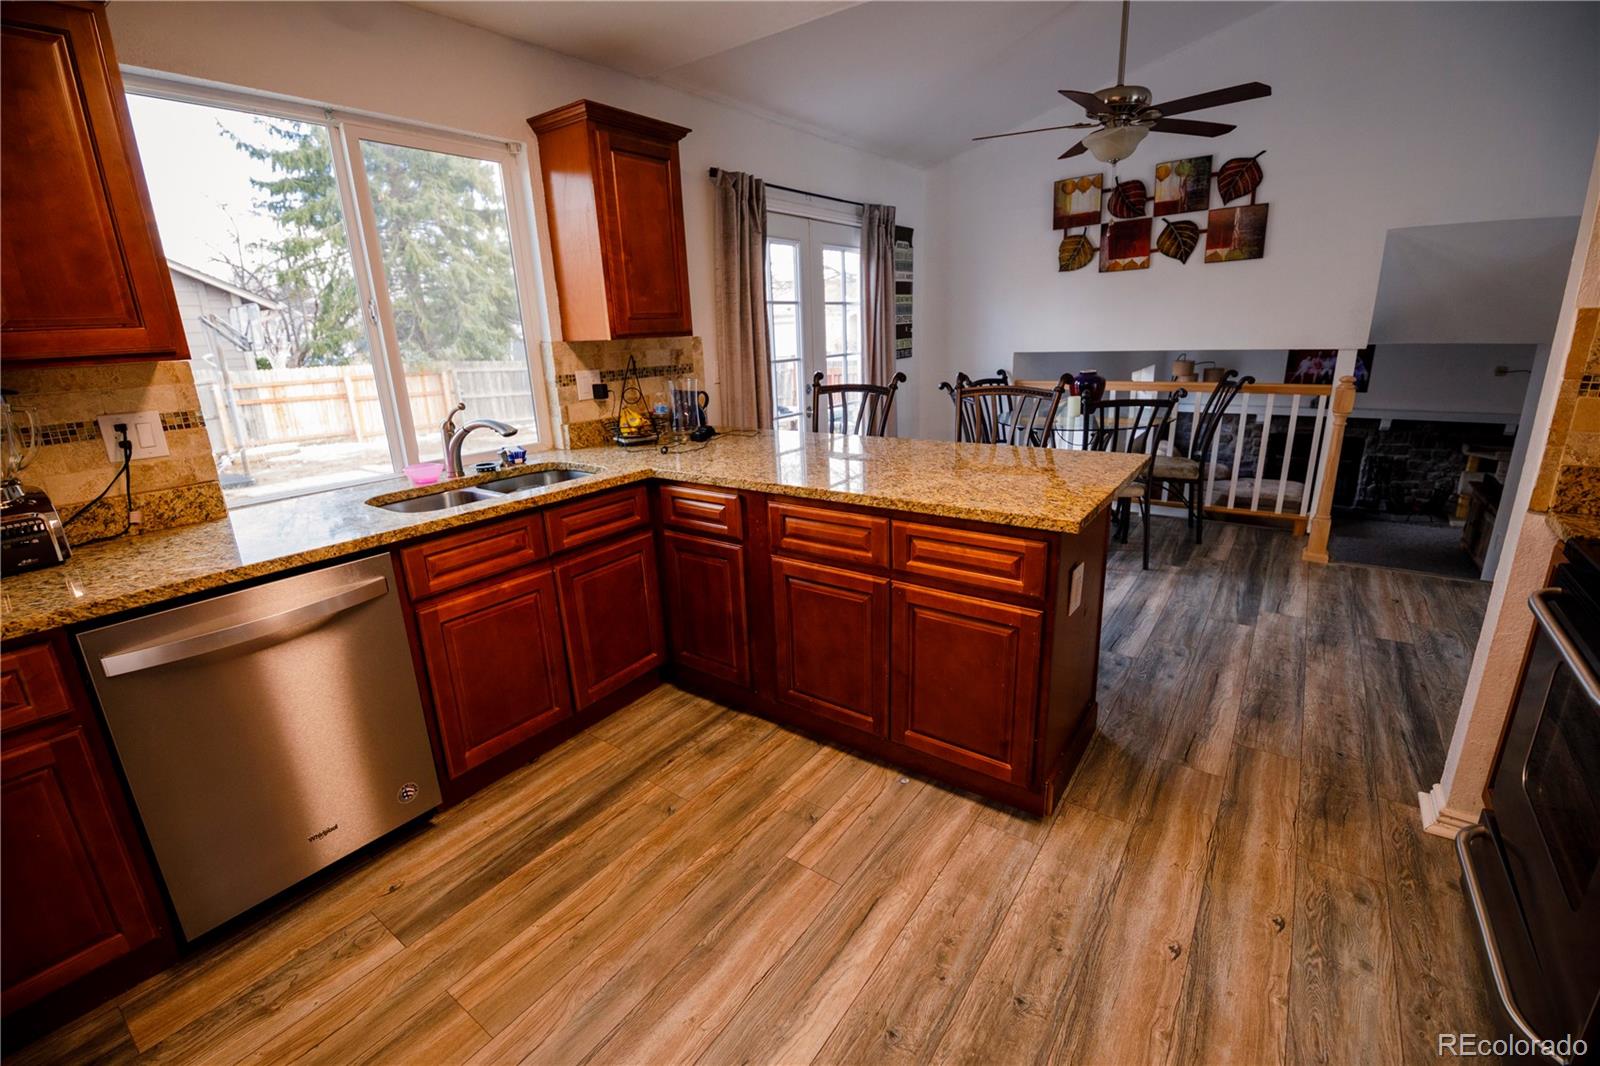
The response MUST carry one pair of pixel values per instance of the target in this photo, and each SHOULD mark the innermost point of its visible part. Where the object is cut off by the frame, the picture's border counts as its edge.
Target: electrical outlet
(144, 433)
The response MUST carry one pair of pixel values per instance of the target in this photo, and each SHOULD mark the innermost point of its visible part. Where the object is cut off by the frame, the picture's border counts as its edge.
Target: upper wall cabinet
(616, 221)
(82, 276)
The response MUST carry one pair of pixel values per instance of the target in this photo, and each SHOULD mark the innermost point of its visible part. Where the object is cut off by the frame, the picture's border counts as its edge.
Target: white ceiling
(909, 80)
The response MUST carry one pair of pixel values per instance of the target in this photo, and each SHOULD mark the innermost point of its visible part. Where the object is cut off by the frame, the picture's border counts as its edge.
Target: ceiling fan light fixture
(1115, 142)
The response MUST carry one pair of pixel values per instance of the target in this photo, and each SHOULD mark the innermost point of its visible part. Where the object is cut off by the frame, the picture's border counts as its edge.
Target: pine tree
(442, 232)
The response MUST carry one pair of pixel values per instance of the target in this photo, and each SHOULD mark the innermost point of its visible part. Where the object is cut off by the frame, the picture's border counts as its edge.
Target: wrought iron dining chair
(1137, 426)
(1008, 414)
(1183, 474)
(963, 380)
(863, 410)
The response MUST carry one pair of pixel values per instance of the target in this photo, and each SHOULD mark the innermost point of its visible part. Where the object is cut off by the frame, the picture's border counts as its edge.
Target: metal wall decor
(1232, 233)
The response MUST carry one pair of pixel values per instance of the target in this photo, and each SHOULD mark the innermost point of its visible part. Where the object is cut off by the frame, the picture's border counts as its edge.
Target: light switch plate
(587, 380)
(144, 430)
(1075, 586)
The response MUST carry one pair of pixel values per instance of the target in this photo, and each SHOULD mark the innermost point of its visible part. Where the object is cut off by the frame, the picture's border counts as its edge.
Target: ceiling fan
(1123, 114)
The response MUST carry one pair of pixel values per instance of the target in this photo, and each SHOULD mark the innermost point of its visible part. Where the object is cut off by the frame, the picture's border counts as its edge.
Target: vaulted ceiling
(912, 80)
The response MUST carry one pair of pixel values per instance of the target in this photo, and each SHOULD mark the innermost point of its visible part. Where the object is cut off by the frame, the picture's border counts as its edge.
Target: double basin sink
(497, 489)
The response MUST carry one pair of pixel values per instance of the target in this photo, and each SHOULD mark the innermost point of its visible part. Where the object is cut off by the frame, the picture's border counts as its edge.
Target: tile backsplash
(71, 465)
(583, 418)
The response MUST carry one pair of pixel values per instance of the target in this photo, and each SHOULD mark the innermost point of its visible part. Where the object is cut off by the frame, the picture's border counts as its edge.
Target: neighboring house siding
(197, 299)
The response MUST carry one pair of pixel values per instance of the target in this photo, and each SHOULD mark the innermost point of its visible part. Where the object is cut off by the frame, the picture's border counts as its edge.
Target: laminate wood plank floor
(1237, 874)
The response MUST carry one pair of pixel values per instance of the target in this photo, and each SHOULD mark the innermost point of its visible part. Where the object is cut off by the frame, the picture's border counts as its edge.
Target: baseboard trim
(1438, 818)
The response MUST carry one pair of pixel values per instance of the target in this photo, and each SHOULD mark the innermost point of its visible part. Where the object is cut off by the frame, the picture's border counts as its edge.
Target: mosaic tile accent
(78, 432)
(675, 370)
(1589, 385)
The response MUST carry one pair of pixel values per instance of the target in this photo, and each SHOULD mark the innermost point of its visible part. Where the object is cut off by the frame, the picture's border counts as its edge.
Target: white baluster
(1314, 467)
(1261, 455)
(1238, 446)
(1288, 450)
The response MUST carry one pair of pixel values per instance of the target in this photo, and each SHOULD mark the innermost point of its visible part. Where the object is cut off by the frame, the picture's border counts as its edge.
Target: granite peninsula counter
(1029, 488)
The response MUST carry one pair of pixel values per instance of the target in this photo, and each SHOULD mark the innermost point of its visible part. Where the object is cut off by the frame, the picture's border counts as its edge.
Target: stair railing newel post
(1343, 401)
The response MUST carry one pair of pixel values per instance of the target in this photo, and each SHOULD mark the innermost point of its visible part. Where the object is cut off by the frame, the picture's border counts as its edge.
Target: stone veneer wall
(581, 418)
(1569, 475)
(71, 465)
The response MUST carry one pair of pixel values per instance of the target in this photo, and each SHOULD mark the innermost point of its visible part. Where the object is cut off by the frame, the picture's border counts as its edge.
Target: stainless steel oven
(1532, 864)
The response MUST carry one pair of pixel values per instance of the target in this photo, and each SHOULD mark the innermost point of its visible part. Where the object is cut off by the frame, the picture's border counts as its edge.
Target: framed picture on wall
(1315, 366)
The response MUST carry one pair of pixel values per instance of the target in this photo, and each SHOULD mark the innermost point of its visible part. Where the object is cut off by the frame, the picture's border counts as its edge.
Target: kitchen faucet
(453, 438)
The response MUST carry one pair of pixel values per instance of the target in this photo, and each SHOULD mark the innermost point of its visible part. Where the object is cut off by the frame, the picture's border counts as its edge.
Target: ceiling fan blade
(1077, 149)
(1088, 101)
(1041, 129)
(1250, 90)
(1192, 128)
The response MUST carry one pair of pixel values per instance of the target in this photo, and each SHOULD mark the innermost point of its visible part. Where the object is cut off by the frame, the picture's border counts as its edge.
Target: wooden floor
(1237, 875)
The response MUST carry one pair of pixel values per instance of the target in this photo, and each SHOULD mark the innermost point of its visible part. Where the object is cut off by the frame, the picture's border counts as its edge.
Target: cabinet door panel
(832, 632)
(72, 902)
(32, 687)
(611, 612)
(496, 666)
(641, 223)
(706, 604)
(966, 680)
(81, 272)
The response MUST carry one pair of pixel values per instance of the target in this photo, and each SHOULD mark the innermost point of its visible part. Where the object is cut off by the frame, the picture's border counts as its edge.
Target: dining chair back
(1138, 426)
(1211, 415)
(863, 410)
(1008, 414)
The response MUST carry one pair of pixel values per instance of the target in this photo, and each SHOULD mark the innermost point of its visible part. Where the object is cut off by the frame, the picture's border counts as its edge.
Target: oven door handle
(1540, 603)
(1497, 968)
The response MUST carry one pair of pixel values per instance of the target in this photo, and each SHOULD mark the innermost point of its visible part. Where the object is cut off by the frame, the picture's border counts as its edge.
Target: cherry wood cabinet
(831, 628)
(480, 552)
(82, 275)
(966, 680)
(611, 614)
(497, 666)
(78, 895)
(591, 519)
(614, 199)
(707, 610)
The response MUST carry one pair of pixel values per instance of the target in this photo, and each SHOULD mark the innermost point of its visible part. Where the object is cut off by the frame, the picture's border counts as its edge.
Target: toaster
(31, 533)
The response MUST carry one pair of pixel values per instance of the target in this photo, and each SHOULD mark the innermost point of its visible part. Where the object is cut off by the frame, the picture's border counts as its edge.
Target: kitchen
(455, 692)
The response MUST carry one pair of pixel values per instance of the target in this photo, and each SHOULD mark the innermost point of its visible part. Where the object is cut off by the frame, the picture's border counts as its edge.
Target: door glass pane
(833, 274)
(254, 231)
(446, 249)
(834, 320)
(782, 267)
(785, 331)
(786, 388)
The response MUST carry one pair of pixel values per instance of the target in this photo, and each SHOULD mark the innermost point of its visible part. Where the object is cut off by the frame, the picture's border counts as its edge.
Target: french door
(813, 311)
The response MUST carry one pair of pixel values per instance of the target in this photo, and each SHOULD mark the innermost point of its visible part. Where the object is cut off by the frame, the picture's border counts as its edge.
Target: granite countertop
(1032, 488)
(1571, 526)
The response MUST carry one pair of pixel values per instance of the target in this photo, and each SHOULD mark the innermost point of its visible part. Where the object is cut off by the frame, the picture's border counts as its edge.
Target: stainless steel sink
(439, 501)
(537, 479)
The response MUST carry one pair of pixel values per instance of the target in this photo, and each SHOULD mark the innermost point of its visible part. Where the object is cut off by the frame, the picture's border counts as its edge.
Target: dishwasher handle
(281, 623)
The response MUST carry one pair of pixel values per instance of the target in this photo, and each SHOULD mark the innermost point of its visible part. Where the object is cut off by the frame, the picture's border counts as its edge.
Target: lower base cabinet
(966, 680)
(708, 619)
(611, 613)
(497, 666)
(832, 632)
(76, 896)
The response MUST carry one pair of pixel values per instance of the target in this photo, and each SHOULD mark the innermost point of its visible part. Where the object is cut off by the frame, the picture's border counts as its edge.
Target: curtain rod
(801, 192)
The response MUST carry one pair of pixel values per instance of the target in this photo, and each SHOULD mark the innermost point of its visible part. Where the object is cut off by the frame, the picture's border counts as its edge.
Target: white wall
(400, 62)
(1382, 116)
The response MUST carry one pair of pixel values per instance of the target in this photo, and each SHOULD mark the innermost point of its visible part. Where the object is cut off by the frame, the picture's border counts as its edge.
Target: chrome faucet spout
(452, 450)
(447, 429)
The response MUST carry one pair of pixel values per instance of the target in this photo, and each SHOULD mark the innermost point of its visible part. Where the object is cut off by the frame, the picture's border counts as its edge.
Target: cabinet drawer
(991, 562)
(32, 687)
(833, 536)
(699, 510)
(477, 553)
(585, 521)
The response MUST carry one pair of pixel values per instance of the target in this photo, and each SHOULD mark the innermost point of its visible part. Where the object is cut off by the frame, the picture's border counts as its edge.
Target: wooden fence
(340, 403)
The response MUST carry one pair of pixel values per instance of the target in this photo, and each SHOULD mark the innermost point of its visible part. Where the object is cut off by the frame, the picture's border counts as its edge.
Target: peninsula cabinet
(831, 627)
(78, 893)
(614, 200)
(707, 609)
(82, 275)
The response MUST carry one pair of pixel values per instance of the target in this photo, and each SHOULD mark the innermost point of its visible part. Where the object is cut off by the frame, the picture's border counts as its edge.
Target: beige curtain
(877, 291)
(741, 278)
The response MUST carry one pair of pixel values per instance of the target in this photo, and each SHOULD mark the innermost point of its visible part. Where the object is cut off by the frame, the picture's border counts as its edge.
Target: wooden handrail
(1258, 388)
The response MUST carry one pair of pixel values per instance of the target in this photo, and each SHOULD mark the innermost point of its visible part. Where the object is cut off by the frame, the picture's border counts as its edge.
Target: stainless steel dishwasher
(266, 732)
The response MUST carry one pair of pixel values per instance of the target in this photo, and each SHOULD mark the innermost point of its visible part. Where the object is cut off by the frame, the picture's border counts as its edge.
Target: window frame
(346, 129)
